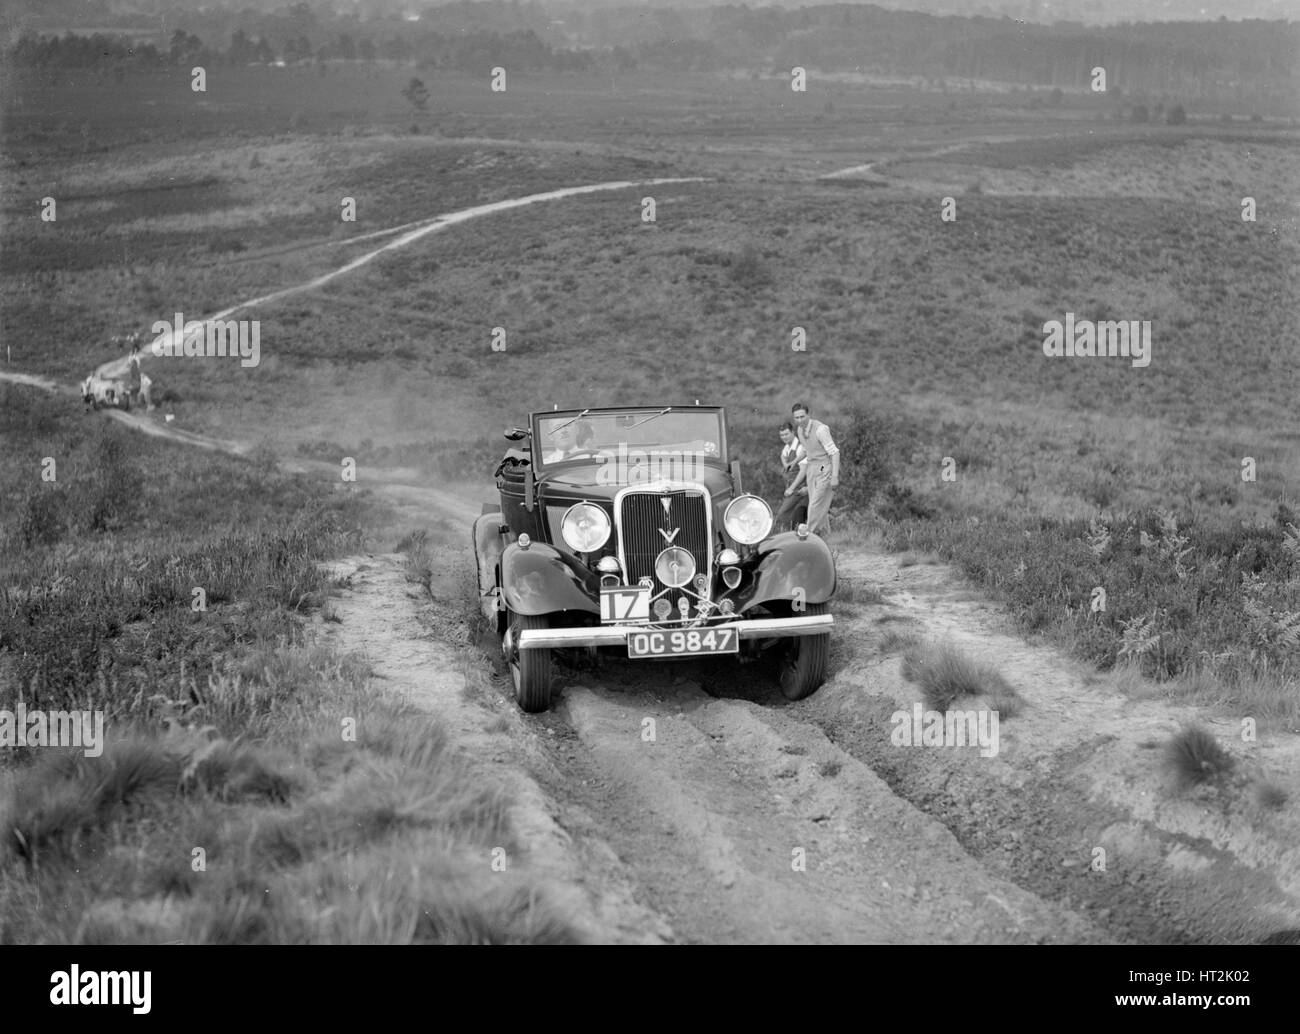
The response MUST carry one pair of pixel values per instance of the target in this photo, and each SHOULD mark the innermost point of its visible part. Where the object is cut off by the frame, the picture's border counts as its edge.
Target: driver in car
(570, 440)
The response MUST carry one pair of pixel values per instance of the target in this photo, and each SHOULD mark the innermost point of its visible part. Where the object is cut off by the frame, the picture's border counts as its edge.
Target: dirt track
(684, 817)
(690, 802)
(681, 797)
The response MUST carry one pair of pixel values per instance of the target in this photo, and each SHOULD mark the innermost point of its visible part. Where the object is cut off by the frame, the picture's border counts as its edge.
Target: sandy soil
(1079, 769)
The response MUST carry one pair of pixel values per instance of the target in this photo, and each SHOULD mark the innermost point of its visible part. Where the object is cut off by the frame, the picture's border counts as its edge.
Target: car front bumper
(616, 635)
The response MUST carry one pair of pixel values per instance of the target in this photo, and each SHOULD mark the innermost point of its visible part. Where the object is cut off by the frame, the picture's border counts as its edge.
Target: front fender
(787, 564)
(488, 545)
(540, 580)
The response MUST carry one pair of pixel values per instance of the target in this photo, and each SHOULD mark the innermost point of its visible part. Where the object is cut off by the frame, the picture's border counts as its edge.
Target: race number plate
(683, 642)
(624, 603)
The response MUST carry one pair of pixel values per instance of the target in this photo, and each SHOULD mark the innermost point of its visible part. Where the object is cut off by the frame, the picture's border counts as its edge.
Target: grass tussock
(60, 807)
(893, 640)
(419, 564)
(1006, 704)
(945, 675)
(1269, 796)
(411, 894)
(853, 590)
(1193, 756)
(1281, 937)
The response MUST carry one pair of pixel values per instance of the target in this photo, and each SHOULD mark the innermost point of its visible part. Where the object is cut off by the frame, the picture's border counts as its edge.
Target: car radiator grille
(642, 518)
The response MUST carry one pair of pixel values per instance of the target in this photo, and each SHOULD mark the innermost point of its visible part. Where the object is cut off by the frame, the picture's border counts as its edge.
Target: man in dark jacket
(794, 506)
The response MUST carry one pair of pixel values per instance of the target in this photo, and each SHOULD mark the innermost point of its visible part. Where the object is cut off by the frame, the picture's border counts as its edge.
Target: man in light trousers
(822, 469)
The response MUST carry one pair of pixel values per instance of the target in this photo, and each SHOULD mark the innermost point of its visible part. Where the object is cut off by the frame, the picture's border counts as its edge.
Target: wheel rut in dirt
(1076, 806)
(743, 823)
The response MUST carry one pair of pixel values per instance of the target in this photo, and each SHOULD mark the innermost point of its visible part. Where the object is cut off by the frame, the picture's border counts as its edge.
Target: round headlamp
(675, 567)
(748, 519)
(585, 527)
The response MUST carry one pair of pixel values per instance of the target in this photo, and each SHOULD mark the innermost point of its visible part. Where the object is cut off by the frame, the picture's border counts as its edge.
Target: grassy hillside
(932, 329)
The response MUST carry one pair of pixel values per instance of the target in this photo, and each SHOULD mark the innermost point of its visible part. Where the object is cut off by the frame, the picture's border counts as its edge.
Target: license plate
(624, 603)
(683, 642)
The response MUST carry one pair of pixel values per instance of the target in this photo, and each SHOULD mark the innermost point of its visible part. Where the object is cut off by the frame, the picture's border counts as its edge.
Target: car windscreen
(681, 432)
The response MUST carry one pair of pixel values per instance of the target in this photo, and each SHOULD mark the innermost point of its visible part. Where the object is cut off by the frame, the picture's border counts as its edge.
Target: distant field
(910, 313)
(938, 321)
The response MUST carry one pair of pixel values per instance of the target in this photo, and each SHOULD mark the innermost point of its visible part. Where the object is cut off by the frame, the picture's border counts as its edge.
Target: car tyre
(530, 670)
(803, 669)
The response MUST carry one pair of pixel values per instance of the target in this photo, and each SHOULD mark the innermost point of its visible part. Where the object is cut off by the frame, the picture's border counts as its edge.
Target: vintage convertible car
(99, 392)
(627, 528)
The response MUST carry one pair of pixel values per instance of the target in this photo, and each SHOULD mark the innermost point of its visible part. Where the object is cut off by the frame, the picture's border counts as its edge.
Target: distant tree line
(1192, 59)
(69, 51)
(470, 52)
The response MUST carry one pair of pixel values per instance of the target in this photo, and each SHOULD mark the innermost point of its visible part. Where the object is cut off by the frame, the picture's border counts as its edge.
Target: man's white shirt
(823, 434)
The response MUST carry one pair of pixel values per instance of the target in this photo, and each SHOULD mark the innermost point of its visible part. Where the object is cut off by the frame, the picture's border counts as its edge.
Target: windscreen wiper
(556, 430)
(652, 416)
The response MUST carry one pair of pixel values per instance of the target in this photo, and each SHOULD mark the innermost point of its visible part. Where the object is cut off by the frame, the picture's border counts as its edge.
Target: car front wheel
(804, 667)
(530, 670)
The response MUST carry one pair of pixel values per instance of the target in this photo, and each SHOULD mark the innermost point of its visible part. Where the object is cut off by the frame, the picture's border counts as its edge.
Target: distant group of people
(136, 383)
(810, 462)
